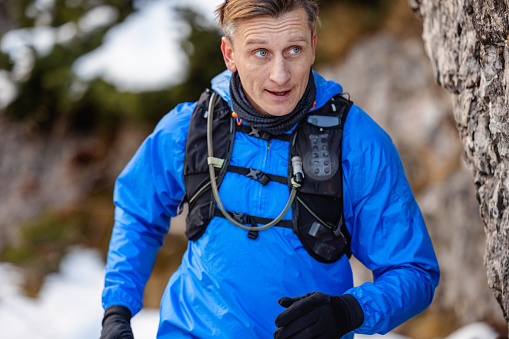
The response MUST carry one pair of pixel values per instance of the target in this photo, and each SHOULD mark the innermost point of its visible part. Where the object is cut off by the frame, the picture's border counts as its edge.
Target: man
(292, 280)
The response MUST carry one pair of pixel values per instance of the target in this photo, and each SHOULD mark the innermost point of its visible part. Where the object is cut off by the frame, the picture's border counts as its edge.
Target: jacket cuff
(113, 296)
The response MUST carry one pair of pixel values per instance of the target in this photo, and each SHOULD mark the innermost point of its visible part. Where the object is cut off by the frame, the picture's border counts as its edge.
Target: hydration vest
(317, 217)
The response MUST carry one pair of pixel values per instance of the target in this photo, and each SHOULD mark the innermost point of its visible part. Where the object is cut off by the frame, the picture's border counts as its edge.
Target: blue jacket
(228, 285)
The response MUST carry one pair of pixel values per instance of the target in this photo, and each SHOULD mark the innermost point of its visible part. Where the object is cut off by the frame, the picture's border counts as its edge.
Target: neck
(265, 122)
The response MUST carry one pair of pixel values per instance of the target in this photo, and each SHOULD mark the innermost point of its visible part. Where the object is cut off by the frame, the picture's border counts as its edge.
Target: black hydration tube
(296, 179)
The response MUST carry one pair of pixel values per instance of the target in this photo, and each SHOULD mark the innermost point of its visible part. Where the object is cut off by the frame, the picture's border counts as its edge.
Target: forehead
(292, 25)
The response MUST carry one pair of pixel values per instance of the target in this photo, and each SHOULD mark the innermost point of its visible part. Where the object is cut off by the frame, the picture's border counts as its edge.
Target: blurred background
(83, 82)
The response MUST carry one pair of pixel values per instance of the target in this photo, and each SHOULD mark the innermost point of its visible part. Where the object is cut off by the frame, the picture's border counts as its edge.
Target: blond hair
(231, 11)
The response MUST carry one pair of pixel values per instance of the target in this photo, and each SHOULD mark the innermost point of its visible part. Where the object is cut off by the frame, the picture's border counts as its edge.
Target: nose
(280, 72)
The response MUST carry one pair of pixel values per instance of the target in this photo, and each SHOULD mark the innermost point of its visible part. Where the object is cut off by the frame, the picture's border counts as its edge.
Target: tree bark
(468, 44)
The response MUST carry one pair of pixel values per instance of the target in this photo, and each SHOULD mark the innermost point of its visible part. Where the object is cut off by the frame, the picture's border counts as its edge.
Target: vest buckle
(240, 217)
(258, 176)
(263, 135)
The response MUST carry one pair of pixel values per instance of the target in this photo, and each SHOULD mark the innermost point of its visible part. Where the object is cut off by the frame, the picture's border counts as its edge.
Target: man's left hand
(318, 315)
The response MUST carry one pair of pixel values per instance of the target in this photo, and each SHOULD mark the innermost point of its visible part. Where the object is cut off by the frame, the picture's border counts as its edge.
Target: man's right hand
(117, 323)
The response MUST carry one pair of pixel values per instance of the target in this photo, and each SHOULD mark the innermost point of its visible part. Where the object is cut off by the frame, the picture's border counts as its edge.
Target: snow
(69, 305)
(474, 331)
(97, 17)
(140, 54)
(144, 52)
(7, 89)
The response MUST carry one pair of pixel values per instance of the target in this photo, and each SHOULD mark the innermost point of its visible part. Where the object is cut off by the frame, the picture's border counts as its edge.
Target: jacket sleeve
(146, 196)
(388, 232)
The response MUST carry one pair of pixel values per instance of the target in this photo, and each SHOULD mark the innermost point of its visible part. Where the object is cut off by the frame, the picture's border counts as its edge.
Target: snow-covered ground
(69, 305)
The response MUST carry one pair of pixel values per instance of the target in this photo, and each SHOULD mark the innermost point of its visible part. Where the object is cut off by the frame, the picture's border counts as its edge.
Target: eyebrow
(255, 41)
(299, 39)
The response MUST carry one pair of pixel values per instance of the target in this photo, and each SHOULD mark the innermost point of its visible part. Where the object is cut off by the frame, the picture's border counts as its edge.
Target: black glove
(318, 315)
(117, 323)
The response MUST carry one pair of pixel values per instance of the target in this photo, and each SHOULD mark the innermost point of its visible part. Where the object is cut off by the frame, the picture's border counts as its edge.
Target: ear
(314, 40)
(228, 54)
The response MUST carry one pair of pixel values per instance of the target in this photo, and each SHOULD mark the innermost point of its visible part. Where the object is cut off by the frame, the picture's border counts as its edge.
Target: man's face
(273, 58)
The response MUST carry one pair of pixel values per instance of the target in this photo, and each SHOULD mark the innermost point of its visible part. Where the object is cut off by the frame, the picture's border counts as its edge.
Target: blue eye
(295, 50)
(261, 54)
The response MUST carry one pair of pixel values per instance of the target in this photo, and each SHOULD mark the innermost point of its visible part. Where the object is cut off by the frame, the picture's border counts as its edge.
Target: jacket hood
(324, 89)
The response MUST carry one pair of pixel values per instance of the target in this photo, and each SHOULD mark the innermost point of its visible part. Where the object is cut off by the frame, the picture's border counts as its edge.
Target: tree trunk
(467, 42)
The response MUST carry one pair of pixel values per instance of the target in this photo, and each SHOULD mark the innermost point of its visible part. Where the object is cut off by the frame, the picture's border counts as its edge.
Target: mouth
(280, 94)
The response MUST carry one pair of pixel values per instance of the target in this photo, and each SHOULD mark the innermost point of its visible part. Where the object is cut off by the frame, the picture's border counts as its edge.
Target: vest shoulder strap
(196, 170)
(319, 204)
